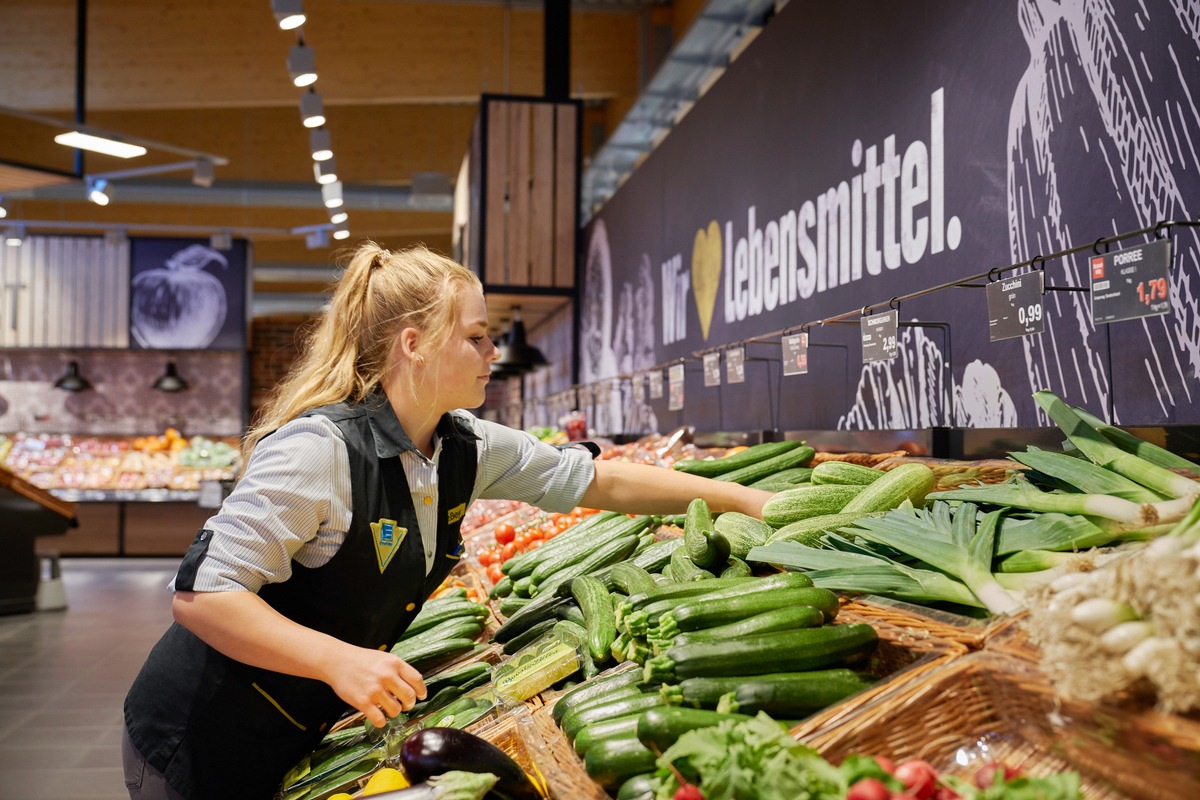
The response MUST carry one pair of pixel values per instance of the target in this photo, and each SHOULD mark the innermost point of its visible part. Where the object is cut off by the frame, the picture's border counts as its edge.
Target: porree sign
(891, 213)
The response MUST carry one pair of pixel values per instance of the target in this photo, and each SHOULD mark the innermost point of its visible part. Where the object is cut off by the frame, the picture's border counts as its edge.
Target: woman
(345, 519)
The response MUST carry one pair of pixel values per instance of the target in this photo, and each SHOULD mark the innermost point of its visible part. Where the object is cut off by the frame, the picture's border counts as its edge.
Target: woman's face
(458, 375)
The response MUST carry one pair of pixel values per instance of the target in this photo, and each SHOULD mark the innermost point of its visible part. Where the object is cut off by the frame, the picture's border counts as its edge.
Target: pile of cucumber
(444, 629)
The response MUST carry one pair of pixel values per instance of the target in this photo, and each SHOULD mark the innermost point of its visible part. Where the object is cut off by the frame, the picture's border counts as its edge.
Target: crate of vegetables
(989, 712)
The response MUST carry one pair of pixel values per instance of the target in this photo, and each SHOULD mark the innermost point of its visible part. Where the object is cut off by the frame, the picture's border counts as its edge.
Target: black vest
(217, 728)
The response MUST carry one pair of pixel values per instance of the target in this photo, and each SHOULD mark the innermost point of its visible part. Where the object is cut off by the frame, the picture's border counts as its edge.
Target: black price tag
(675, 400)
(795, 354)
(735, 365)
(879, 336)
(712, 369)
(654, 380)
(1132, 283)
(1015, 306)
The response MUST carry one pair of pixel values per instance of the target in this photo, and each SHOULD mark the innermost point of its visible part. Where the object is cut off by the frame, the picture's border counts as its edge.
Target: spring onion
(1098, 614)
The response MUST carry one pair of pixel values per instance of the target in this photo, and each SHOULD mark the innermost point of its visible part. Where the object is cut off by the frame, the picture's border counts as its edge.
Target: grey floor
(63, 677)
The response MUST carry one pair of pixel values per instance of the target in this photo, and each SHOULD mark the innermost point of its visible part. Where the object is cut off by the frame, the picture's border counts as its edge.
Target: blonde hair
(346, 354)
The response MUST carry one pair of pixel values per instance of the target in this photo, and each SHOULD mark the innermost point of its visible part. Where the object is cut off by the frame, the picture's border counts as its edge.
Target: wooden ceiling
(400, 79)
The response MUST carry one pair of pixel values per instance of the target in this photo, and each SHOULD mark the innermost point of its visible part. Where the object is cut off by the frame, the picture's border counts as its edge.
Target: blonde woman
(345, 519)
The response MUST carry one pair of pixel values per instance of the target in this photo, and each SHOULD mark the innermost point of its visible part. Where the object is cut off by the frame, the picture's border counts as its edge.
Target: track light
(72, 381)
(203, 173)
(288, 13)
(338, 217)
(331, 194)
(341, 231)
(98, 191)
(302, 64)
(3, 210)
(100, 144)
(325, 171)
(312, 109)
(170, 381)
(320, 144)
(14, 236)
(314, 240)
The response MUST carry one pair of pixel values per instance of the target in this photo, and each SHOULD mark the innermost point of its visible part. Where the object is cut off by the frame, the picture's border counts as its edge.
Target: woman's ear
(407, 343)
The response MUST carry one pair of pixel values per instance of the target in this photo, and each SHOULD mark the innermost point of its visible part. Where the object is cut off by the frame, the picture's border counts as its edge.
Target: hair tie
(376, 261)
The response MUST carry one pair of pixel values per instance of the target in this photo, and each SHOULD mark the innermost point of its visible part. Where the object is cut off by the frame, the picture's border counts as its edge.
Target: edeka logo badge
(456, 513)
(706, 273)
(388, 538)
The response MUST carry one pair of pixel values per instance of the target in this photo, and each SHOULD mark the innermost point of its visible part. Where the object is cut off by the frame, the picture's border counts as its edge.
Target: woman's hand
(377, 683)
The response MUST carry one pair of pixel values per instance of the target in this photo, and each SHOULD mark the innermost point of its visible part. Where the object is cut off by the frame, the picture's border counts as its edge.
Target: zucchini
(809, 531)
(905, 482)
(736, 568)
(804, 502)
(684, 570)
(708, 613)
(674, 591)
(711, 468)
(707, 692)
(608, 729)
(609, 762)
(575, 719)
(798, 695)
(787, 651)
(660, 727)
(785, 477)
(596, 604)
(529, 636)
(595, 687)
(798, 457)
(776, 619)
(844, 472)
(631, 578)
(742, 532)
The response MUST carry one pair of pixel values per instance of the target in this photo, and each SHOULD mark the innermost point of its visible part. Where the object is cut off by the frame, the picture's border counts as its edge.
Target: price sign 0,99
(637, 386)
(654, 380)
(795, 354)
(712, 369)
(879, 336)
(1131, 283)
(1015, 306)
(675, 398)
(735, 365)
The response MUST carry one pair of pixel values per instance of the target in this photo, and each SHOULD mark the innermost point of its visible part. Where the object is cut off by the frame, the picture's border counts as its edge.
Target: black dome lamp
(516, 354)
(499, 370)
(72, 381)
(170, 381)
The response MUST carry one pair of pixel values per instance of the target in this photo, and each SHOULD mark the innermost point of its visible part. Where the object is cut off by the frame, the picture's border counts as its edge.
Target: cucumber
(594, 601)
(844, 472)
(707, 692)
(609, 762)
(512, 604)
(520, 566)
(716, 551)
(708, 613)
(576, 636)
(697, 523)
(805, 502)
(799, 695)
(455, 677)
(523, 587)
(797, 457)
(639, 787)
(784, 478)
(429, 653)
(657, 555)
(539, 609)
(809, 531)
(905, 482)
(596, 687)
(438, 614)
(742, 532)
(595, 564)
(736, 568)
(660, 727)
(529, 636)
(777, 619)
(684, 570)
(619, 704)
(610, 728)
(644, 616)
(710, 468)
(631, 578)
(583, 547)
(788, 651)
(571, 613)
(503, 588)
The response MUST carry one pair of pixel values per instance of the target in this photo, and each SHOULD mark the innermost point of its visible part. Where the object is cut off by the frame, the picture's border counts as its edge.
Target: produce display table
(28, 512)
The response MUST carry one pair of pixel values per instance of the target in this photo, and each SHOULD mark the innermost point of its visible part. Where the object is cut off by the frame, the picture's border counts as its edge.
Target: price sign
(735, 365)
(637, 385)
(654, 380)
(1132, 283)
(879, 336)
(1015, 306)
(795, 354)
(712, 369)
(675, 400)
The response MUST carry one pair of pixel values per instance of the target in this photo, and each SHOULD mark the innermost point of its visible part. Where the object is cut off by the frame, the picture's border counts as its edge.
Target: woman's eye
(476, 339)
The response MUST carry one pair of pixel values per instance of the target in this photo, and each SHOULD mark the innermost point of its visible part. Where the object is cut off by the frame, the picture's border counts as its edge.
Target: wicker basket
(989, 706)
(565, 775)
(972, 633)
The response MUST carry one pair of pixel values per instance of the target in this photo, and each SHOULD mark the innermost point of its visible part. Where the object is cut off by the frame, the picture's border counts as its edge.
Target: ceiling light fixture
(314, 240)
(331, 194)
(170, 381)
(203, 173)
(14, 236)
(289, 14)
(72, 381)
(325, 171)
(516, 354)
(341, 232)
(338, 217)
(302, 65)
(98, 191)
(312, 109)
(100, 144)
(3, 210)
(320, 144)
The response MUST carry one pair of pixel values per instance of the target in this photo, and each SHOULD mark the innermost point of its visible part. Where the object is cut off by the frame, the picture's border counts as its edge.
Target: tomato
(505, 533)
(487, 557)
(535, 544)
(562, 523)
(507, 552)
(494, 574)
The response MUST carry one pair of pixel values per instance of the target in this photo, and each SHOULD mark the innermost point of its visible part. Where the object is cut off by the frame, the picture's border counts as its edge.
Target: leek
(1035, 561)
(1139, 447)
(1100, 450)
(1049, 531)
(1021, 494)
(1084, 476)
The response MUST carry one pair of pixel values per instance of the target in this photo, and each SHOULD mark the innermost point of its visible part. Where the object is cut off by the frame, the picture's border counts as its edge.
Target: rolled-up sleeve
(513, 465)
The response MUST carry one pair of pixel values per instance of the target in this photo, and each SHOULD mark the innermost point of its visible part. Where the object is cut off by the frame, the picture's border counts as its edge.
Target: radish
(869, 789)
(919, 778)
(987, 775)
(886, 764)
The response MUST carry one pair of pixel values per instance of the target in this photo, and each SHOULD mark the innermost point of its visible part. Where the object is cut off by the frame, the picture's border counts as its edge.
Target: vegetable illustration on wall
(186, 295)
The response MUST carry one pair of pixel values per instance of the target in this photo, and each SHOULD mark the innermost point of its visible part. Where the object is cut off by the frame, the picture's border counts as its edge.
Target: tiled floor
(63, 677)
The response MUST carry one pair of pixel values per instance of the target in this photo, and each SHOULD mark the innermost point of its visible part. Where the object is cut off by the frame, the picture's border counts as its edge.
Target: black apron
(218, 728)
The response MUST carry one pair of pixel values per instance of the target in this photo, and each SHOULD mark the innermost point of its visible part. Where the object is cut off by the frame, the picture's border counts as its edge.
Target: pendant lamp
(72, 381)
(516, 354)
(170, 381)
(499, 371)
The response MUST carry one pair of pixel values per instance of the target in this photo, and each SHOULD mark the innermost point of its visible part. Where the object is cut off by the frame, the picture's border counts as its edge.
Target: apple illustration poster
(860, 151)
(187, 295)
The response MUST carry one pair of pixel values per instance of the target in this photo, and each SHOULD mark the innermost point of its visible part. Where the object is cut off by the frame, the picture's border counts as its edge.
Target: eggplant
(433, 751)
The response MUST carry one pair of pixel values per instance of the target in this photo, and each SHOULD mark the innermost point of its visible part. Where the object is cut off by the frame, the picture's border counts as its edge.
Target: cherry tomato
(494, 574)
(507, 552)
(535, 544)
(487, 557)
(505, 533)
